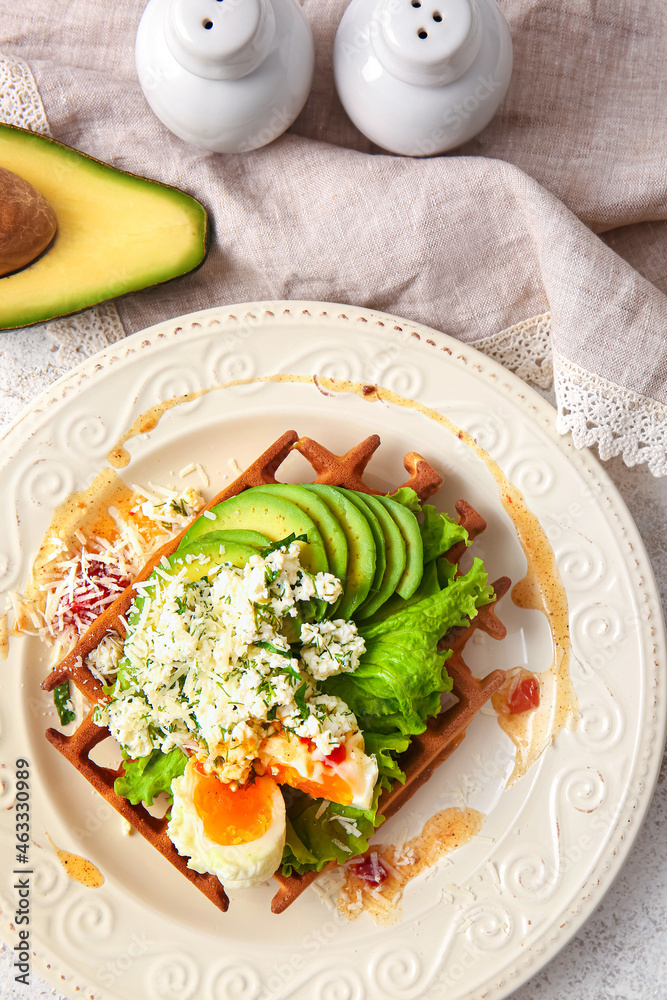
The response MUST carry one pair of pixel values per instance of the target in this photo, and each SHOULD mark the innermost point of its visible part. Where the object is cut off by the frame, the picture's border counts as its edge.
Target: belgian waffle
(443, 733)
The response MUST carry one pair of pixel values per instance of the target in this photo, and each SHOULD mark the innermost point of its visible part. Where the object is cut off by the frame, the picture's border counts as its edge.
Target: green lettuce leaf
(295, 853)
(407, 496)
(439, 532)
(447, 572)
(148, 776)
(401, 676)
(384, 746)
(313, 840)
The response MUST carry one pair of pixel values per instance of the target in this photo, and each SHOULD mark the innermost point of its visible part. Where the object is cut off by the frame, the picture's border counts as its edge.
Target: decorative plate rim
(637, 565)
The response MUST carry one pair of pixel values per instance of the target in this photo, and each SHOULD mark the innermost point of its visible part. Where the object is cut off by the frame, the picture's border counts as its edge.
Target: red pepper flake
(370, 868)
(96, 585)
(525, 696)
(337, 755)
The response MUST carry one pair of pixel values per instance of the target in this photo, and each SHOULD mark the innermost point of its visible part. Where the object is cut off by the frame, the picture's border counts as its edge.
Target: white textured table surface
(621, 953)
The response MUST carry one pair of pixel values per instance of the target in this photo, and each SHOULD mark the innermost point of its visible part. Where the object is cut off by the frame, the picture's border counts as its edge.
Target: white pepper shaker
(420, 77)
(226, 75)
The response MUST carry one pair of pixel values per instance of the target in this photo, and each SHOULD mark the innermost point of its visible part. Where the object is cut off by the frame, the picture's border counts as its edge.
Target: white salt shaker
(420, 77)
(226, 75)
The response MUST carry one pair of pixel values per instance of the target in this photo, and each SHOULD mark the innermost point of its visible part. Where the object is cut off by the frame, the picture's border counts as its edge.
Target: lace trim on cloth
(524, 348)
(67, 343)
(20, 103)
(617, 420)
(80, 336)
(73, 338)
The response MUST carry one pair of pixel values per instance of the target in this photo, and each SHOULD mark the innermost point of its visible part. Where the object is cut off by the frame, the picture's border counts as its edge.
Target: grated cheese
(405, 857)
(349, 825)
(77, 583)
(495, 878)
(341, 846)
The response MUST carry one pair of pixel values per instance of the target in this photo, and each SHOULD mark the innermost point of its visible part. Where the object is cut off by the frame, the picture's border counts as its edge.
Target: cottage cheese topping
(330, 647)
(103, 659)
(206, 666)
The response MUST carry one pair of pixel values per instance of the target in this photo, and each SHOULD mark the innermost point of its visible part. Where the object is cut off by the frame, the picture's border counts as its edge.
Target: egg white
(237, 866)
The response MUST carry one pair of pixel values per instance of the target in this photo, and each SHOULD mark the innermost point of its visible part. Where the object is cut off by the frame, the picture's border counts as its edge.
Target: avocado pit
(27, 222)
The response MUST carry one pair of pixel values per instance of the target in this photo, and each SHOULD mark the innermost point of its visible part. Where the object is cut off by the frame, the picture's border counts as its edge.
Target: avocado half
(116, 232)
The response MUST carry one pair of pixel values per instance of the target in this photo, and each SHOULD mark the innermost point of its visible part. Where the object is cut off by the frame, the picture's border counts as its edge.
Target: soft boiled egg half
(346, 775)
(236, 834)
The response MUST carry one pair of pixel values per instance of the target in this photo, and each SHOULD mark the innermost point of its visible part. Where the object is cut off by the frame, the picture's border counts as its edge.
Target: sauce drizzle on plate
(77, 868)
(379, 897)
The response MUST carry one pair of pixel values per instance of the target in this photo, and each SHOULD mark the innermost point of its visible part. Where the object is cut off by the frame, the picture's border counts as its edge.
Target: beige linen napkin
(495, 245)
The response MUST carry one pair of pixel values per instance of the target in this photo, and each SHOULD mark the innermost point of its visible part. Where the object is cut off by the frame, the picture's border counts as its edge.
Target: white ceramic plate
(507, 901)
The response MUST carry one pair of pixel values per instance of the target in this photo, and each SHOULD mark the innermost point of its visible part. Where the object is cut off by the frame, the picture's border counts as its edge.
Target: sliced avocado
(254, 538)
(376, 530)
(326, 523)
(395, 556)
(116, 232)
(205, 554)
(360, 547)
(408, 525)
(272, 516)
(198, 560)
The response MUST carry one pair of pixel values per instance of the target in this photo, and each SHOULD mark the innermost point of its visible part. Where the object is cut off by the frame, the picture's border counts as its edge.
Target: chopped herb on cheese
(331, 647)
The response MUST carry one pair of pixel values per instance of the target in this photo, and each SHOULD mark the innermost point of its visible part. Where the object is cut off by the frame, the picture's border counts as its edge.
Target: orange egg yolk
(234, 816)
(331, 787)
